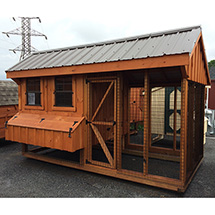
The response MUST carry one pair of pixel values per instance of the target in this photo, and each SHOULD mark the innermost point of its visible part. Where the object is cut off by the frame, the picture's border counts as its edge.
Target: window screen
(63, 91)
(33, 91)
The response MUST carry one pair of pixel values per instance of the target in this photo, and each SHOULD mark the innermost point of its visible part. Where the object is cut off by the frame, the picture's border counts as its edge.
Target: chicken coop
(8, 103)
(131, 108)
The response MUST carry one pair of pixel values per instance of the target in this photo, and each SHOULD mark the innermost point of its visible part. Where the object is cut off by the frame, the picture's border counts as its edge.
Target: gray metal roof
(8, 93)
(172, 42)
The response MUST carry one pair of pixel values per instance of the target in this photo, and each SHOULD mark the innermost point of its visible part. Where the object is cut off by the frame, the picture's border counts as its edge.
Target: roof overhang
(125, 65)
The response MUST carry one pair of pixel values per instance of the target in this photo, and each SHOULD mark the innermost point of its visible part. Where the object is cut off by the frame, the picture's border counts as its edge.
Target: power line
(26, 32)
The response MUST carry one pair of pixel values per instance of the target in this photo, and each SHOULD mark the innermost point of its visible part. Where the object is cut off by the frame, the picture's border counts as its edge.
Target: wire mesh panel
(136, 115)
(195, 118)
(134, 161)
(166, 117)
(136, 104)
(165, 130)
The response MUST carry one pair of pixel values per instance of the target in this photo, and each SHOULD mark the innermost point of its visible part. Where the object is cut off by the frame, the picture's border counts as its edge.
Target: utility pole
(26, 32)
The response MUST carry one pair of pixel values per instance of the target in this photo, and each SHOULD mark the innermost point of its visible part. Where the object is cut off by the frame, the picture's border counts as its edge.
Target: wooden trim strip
(175, 119)
(146, 122)
(183, 144)
(146, 63)
(102, 101)
(102, 123)
(115, 127)
(103, 145)
(100, 163)
(118, 129)
(171, 184)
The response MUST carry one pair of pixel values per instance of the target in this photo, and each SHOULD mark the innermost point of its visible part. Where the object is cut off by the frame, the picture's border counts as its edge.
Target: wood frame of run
(176, 69)
(114, 167)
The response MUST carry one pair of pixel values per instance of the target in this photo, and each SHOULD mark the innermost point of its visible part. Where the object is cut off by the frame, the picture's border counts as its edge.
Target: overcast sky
(69, 23)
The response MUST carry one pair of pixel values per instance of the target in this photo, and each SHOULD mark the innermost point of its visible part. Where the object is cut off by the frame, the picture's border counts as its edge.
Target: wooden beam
(118, 127)
(175, 118)
(183, 144)
(115, 127)
(158, 181)
(103, 145)
(184, 72)
(146, 63)
(102, 101)
(146, 119)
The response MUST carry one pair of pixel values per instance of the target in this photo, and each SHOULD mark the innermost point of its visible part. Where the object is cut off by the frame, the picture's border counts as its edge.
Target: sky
(69, 23)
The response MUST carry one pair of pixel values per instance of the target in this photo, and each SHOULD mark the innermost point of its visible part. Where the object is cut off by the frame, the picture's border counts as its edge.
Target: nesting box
(131, 108)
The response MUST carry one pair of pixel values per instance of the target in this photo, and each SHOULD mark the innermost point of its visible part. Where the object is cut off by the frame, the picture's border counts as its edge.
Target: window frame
(64, 108)
(34, 107)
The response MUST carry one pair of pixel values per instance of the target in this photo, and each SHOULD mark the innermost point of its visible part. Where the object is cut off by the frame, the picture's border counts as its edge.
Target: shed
(210, 103)
(8, 103)
(81, 100)
(211, 96)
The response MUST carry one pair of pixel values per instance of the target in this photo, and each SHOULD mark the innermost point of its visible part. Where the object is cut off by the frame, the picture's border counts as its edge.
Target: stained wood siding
(198, 68)
(48, 138)
(49, 133)
(6, 112)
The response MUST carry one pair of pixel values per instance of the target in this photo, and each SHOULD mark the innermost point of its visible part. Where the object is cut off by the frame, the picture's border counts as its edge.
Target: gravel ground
(23, 177)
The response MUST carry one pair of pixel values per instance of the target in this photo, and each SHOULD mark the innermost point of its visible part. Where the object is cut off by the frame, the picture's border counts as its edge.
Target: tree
(211, 64)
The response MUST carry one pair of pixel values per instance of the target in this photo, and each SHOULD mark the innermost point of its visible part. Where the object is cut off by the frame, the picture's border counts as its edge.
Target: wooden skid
(158, 181)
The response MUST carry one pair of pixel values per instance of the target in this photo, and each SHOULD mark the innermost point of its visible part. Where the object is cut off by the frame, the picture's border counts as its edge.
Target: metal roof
(172, 42)
(8, 93)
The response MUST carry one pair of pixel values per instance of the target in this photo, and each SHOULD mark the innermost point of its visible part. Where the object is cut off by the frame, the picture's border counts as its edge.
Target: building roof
(8, 93)
(178, 41)
(212, 72)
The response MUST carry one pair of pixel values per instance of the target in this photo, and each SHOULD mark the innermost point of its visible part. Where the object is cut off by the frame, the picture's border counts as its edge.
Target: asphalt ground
(23, 177)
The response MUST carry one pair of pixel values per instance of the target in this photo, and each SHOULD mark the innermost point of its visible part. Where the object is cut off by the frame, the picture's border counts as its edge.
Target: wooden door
(101, 122)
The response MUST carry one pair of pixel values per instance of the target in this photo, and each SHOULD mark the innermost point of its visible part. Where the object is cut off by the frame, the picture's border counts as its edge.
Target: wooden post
(89, 136)
(24, 148)
(175, 118)
(118, 121)
(183, 144)
(146, 115)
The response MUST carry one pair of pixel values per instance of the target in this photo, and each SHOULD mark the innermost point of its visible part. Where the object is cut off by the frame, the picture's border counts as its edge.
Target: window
(63, 91)
(33, 93)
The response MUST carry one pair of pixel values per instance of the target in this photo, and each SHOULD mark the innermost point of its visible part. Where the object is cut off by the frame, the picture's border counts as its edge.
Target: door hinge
(87, 81)
(5, 125)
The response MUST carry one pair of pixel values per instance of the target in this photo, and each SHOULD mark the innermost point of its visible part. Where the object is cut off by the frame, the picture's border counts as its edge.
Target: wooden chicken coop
(8, 103)
(131, 108)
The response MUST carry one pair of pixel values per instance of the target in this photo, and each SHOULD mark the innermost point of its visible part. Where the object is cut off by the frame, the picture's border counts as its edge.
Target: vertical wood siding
(6, 112)
(198, 69)
(48, 138)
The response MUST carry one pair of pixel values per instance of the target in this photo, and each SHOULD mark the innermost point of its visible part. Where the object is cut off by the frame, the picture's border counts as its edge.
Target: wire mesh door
(102, 122)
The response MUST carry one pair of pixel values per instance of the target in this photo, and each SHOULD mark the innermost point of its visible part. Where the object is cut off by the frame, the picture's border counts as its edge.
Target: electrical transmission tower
(26, 32)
